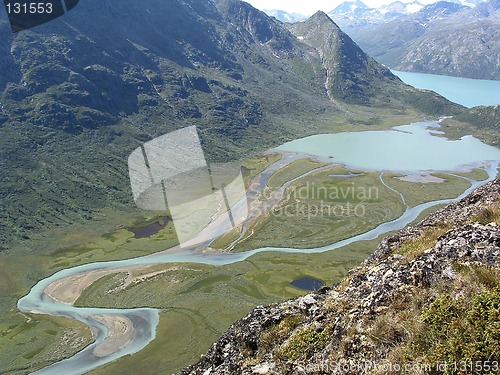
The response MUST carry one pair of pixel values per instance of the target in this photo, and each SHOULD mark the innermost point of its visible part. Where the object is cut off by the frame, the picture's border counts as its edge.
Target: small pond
(151, 229)
(307, 283)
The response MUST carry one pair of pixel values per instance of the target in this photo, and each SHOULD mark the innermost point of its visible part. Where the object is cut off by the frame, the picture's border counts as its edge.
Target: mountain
(350, 7)
(484, 118)
(80, 93)
(400, 8)
(487, 9)
(354, 76)
(443, 38)
(354, 17)
(429, 295)
(471, 3)
(438, 10)
(391, 38)
(283, 16)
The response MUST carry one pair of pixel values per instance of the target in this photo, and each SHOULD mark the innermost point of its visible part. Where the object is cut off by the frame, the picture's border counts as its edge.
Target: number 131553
(29, 8)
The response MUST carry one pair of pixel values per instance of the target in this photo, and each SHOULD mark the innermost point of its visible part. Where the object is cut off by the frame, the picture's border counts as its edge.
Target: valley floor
(206, 290)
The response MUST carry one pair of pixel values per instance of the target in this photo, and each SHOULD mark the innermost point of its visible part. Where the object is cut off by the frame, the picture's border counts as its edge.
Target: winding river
(145, 320)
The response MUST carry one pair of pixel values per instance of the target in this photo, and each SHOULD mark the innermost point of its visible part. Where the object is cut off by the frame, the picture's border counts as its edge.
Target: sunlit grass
(487, 215)
(414, 247)
(416, 193)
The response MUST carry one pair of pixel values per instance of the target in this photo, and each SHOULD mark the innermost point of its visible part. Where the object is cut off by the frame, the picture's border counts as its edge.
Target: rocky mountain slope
(443, 38)
(356, 76)
(429, 295)
(80, 93)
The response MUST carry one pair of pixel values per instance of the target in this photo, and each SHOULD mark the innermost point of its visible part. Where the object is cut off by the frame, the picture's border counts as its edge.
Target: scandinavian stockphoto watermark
(310, 201)
(205, 201)
(362, 367)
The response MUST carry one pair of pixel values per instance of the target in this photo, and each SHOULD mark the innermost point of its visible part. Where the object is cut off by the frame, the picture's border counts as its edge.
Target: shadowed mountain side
(353, 76)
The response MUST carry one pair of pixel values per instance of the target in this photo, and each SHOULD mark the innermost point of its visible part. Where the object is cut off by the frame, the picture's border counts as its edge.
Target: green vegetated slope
(486, 118)
(482, 122)
(199, 302)
(319, 209)
(80, 93)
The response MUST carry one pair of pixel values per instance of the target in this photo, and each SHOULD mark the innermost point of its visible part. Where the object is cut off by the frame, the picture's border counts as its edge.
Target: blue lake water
(464, 91)
(408, 148)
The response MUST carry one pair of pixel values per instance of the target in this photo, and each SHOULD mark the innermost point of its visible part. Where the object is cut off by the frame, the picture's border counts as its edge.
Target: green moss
(294, 170)
(277, 334)
(31, 342)
(304, 343)
(226, 239)
(254, 166)
(416, 193)
(320, 209)
(478, 174)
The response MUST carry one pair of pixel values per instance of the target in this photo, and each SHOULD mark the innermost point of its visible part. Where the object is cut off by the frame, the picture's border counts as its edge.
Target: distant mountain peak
(445, 38)
(443, 7)
(284, 16)
(488, 8)
(349, 7)
(320, 16)
(402, 7)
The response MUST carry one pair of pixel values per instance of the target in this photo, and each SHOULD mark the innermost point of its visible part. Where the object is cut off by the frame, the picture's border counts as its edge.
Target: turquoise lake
(464, 91)
(408, 148)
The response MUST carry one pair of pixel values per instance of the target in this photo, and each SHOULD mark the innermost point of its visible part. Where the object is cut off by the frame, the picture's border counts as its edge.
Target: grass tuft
(413, 248)
(488, 215)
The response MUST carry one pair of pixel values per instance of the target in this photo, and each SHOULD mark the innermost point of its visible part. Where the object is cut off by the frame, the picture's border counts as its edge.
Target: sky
(309, 7)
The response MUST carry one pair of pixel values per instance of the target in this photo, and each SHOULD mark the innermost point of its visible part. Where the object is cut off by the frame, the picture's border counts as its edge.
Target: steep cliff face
(428, 296)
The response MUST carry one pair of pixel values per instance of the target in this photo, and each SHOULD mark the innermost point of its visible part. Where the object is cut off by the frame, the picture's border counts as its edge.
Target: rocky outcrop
(338, 328)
